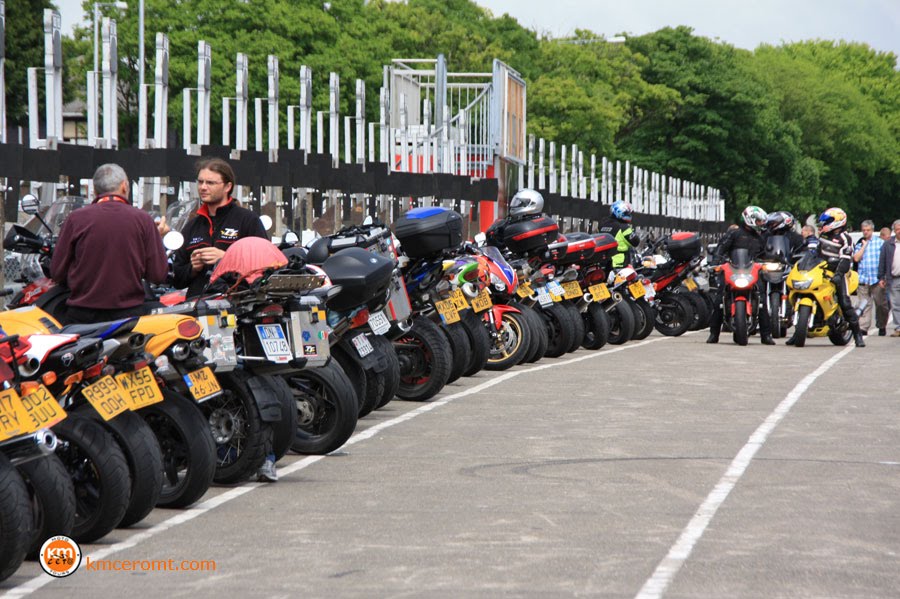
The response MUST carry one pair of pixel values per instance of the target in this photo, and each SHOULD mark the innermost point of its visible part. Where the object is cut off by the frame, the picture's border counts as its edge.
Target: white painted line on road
(668, 568)
(26, 588)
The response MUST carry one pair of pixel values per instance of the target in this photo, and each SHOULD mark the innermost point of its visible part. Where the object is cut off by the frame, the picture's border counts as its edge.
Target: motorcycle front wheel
(741, 331)
(512, 343)
(802, 328)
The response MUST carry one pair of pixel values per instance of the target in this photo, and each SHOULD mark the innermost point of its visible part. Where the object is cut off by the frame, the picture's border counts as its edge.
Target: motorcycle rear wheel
(392, 373)
(459, 344)
(645, 316)
(741, 331)
(577, 325)
(52, 500)
(674, 315)
(237, 428)
(357, 375)
(538, 333)
(701, 312)
(15, 518)
(424, 360)
(479, 340)
(621, 323)
(560, 329)
(325, 403)
(596, 326)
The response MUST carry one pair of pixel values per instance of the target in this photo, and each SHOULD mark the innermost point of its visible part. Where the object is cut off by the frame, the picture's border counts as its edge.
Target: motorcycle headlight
(800, 284)
(498, 283)
(740, 281)
(773, 266)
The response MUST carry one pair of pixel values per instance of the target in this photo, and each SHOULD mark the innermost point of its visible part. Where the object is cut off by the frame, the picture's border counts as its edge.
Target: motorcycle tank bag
(530, 235)
(362, 275)
(683, 246)
(424, 232)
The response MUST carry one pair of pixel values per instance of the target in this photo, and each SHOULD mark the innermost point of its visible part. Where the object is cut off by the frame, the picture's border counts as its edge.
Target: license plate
(140, 388)
(107, 397)
(524, 290)
(363, 347)
(556, 289)
(459, 299)
(544, 297)
(482, 301)
(649, 291)
(572, 289)
(202, 383)
(637, 289)
(14, 419)
(690, 284)
(379, 323)
(599, 292)
(274, 343)
(447, 310)
(42, 409)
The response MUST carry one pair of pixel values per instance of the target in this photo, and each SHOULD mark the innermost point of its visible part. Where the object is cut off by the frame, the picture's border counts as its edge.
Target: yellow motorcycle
(813, 298)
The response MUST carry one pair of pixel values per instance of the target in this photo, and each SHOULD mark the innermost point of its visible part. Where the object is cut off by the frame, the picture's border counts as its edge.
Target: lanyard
(113, 197)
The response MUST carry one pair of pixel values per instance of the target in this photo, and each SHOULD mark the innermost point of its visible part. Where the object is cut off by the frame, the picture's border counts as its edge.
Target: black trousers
(77, 315)
(846, 305)
(715, 319)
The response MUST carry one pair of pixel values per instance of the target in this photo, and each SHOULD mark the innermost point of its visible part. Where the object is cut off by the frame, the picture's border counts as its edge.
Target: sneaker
(882, 332)
(267, 473)
(896, 333)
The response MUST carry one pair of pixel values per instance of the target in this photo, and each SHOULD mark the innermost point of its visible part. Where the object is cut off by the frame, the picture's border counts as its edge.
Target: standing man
(105, 251)
(866, 254)
(220, 221)
(889, 275)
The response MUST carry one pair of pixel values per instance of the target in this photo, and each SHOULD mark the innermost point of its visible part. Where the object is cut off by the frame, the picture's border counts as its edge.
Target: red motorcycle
(679, 257)
(740, 300)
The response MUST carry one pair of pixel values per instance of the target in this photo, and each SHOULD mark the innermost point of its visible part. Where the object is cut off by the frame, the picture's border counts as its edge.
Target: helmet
(754, 217)
(833, 219)
(621, 210)
(525, 203)
(780, 221)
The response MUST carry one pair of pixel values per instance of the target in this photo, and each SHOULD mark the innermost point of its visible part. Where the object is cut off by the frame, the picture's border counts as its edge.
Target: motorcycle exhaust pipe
(30, 447)
(30, 367)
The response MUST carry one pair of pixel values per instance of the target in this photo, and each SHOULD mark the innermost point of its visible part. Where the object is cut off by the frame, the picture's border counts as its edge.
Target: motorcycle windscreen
(740, 258)
(778, 247)
(249, 258)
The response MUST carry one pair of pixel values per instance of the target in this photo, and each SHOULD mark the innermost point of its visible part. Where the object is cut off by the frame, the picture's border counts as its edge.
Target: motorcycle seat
(102, 330)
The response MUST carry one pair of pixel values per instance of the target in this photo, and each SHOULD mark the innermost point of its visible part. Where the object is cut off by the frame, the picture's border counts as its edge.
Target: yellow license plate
(690, 284)
(482, 301)
(637, 289)
(459, 299)
(599, 292)
(203, 383)
(107, 397)
(573, 289)
(14, 420)
(447, 310)
(524, 290)
(42, 408)
(140, 388)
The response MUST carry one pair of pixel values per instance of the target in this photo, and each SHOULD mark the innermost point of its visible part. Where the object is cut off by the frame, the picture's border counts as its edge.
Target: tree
(24, 48)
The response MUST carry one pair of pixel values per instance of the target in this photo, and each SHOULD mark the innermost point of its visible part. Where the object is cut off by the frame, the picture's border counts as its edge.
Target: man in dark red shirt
(105, 251)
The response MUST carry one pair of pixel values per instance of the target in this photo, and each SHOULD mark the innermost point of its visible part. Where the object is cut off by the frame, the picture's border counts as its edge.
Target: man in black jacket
(747, 236)
(220, 222)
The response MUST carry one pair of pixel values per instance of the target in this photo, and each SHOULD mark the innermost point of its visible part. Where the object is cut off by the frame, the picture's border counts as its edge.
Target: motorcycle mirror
(480, 238)
(173, 240)
(29, 204)
(266, 221)
(368, 220)
(290, 237)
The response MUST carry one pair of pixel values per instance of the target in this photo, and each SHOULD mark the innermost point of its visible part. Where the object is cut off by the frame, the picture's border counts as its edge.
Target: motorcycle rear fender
(369, 362)
(162, 330)
(499, 310)
(267, 397)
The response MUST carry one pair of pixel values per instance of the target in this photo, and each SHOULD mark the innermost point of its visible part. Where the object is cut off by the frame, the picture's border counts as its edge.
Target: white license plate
(649, 291)
(556, 288)
(379, 323)
(363, 347)
(274, 343)
(543, 297)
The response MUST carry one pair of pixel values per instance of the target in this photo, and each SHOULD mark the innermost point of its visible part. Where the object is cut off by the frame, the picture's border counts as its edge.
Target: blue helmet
(621, 210)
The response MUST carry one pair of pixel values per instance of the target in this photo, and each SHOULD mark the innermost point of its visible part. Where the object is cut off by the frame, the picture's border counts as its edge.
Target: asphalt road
(662, 468)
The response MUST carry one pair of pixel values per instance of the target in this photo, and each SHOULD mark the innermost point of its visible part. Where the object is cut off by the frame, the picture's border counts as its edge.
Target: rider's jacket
(837, 250)
(741, 238)
(625, 236)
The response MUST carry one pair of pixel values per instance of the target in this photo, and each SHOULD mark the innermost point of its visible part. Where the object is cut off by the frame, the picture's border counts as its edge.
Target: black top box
(683, 246)
(579, 250)
(530, 235)
(363, 276)
(424, 232)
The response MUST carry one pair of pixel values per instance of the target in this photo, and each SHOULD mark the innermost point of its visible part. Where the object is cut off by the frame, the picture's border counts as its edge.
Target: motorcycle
(813, 298)
(776, 264)
(740, 298)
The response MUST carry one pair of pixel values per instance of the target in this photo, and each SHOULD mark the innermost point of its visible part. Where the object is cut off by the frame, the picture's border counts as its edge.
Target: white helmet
(525, 203)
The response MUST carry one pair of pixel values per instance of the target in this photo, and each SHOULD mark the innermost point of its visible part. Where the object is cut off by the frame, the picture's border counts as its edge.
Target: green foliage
(24, 49)
(799, 126)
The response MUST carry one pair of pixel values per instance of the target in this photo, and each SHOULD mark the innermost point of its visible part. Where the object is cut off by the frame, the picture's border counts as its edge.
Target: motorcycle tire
(391, 374)
(840, 335)
(778, 329)
(325, 405)
(560, 329)
(99, 472)
(284, 430)
(577, 325)
(459, 344)
(802, 329)
(538, 333)
(357, 375)
(237, 429)
(674, 315)
(52, 500)
(701, 312)
(513, 342)
(144, 457)
(596, 326)
(424, 360)
(188, 449)
(621, 323)
(15, 519)
(645, 316)
(479, 340)
(741, 330)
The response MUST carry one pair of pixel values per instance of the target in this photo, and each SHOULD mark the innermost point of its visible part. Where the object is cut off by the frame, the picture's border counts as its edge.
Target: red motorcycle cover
(249, 258)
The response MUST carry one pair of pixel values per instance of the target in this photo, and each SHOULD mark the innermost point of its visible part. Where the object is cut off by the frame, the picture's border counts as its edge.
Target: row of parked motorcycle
(287, 348)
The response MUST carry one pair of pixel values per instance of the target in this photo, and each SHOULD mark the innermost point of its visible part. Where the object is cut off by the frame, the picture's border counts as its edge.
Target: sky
(743, 23)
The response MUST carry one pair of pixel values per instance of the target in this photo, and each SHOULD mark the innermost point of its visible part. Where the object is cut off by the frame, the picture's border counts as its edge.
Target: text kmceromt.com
(147, 565)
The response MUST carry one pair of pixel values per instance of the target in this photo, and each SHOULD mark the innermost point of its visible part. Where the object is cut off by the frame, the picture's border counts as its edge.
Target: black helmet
(780, 221)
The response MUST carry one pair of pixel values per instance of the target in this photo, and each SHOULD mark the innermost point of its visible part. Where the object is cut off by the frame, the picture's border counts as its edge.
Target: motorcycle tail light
(94, 371)
(48, 378)
(472, 275)
(189, 328)
(361, 318)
